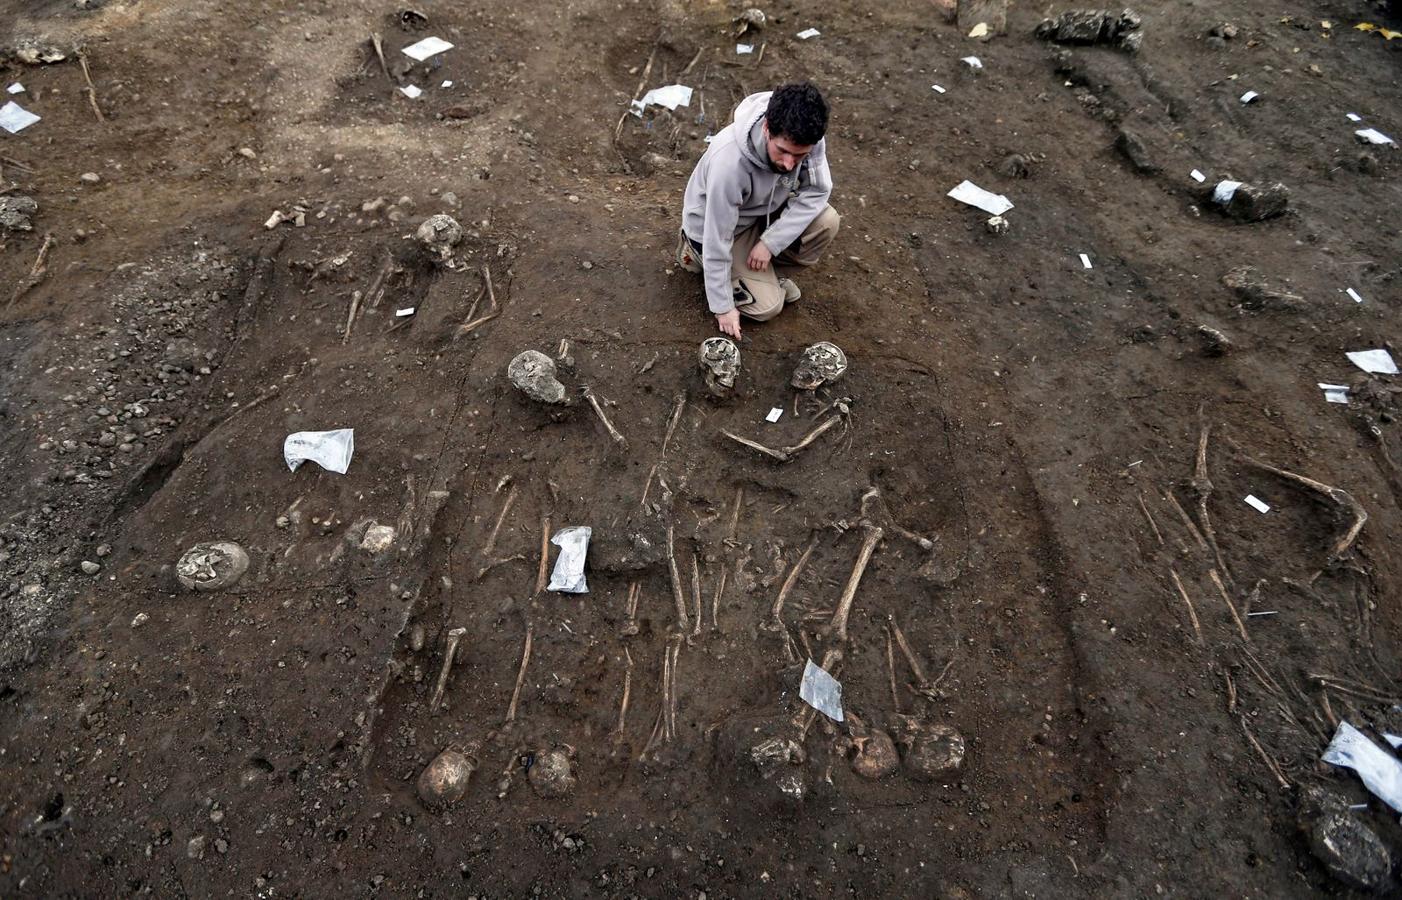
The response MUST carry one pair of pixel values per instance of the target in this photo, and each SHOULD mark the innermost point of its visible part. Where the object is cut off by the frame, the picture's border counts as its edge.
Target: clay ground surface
(1030, 427)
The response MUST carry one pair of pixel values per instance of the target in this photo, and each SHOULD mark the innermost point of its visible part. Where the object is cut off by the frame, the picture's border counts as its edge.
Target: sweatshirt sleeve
(804, 206)
(723, 199)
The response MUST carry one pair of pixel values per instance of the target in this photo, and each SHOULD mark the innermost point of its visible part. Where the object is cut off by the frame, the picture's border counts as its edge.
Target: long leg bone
(1202, 487)
(776, 612)
(496, 529)
(735, 514)
(1192, 613)
(599, 411)
(715, 599)
(631, 626)
(682, 621)
(696, 595)
(891, 670)
(672, 422)
(454, 638)
(627, 690)
(540, 575)
(1226, 598)
(838, 626)
(520, 676)
(787, 453)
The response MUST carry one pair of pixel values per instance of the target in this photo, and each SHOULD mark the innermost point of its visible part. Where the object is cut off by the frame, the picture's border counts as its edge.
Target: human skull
(440, 234)
(533, 374)
(552, 773)
(444, 782)
(720, 364)
(211, 566)
(931, 751)
(821, 364)
(751, 19)
(874, 755)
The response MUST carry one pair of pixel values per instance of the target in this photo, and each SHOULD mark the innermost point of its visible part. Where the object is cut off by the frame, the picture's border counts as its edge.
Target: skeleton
(212, 566)
(822, 363)
(719, 359)
(454, 638)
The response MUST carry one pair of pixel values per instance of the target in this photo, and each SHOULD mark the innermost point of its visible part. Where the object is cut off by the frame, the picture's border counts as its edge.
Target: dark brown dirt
(1009, 405)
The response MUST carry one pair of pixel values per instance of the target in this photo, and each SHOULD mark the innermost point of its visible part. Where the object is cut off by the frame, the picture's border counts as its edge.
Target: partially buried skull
(533, 374)
(720, 364)
(211, 567)
(552, 773)
(440, 234)
(822, 363)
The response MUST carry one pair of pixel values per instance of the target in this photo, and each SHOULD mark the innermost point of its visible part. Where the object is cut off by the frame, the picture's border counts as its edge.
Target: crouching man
(756, 208)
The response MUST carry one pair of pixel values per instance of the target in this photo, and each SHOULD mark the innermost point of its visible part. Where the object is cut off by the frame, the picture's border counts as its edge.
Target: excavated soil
(1056, 457)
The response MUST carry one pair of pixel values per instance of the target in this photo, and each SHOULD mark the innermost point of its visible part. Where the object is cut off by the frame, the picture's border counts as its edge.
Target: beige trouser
(763, 297)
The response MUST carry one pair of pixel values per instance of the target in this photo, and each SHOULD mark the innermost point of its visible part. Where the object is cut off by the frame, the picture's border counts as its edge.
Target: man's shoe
(791, 291)
(686, 254)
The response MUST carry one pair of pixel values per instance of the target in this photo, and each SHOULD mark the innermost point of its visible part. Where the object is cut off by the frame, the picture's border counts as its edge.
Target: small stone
(221, 845)
(90, 178)
(15, 211)
(1214, 342)
(247, 153)
(89, 567)
(1132, 148)
(108, 439)
(586, 265)
(139, 620)
(216, 816)
(449, 199)
(104, 550)
(195, 849)
(573, 198)
(283, 521)
(1255, 203)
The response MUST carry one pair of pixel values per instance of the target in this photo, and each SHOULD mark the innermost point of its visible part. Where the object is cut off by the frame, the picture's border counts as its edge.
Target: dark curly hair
(798, 112)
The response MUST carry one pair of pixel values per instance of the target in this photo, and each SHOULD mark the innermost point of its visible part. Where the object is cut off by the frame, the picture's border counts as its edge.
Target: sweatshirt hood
(749, 128)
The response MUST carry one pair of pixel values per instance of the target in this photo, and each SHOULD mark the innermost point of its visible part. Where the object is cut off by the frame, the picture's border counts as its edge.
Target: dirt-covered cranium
(444, 781)
(440, 234)
(874, 755)
(720, 365)
(929, 750)
(822, 363)
(764, 752)
(752, 19)
(533, 374)
(552, 773)
(212, 566)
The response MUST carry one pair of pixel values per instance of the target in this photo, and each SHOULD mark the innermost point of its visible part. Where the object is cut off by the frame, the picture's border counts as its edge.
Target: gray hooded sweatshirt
(733, 187)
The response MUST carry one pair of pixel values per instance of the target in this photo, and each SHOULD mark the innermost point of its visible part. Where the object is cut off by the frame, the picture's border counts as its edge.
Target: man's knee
(827, 223)
(766, 300)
